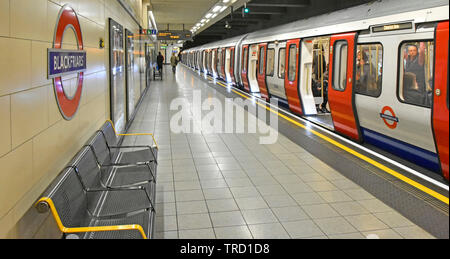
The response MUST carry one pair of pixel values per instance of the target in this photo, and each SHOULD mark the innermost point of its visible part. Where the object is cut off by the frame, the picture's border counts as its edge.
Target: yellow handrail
(134, 134)
(67, 230)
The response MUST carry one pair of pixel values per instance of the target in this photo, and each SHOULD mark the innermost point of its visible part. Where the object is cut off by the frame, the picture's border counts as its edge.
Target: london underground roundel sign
(64, 62)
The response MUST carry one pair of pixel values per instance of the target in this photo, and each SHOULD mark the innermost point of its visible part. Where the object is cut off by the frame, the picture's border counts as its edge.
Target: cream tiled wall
(35, 141)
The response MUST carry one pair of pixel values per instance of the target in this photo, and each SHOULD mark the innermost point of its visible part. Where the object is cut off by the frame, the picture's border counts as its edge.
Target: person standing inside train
(415, 61)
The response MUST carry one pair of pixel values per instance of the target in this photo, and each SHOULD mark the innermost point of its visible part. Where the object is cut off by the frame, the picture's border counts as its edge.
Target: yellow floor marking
(353, 152)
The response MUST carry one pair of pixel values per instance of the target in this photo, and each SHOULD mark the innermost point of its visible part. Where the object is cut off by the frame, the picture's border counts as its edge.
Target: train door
(222, 70)
(232, 66)
(227, 64)
(253, 69)
(261, 73)
(441, 97)
(215, 67)
(210, 64)
(204, 54)
(244, 68)
(276, 57)
(340, 94)
(291, 76)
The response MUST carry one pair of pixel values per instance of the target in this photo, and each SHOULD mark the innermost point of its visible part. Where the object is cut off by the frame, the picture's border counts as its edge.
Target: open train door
(291, 76)
(261, 74)
(340, 95)
(441, 97)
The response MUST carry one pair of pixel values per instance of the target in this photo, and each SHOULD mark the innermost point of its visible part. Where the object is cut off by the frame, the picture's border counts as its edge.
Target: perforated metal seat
(98, 213)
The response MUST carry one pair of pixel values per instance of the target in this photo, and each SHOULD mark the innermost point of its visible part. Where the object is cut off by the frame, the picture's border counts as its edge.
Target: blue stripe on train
(402, 149)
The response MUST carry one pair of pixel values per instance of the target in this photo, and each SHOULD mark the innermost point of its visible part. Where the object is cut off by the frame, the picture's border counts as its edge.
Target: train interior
(314, 80)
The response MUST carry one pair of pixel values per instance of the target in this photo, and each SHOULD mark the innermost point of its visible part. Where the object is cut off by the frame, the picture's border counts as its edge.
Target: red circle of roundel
(67, 18)
(389, 109)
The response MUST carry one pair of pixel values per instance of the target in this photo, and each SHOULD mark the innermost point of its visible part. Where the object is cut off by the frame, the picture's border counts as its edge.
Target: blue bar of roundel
(65, 62)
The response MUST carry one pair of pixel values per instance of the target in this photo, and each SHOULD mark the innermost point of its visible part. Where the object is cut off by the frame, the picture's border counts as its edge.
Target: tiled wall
(35, 141)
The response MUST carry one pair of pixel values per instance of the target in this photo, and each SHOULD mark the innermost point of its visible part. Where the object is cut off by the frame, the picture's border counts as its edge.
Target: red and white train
(382, 66)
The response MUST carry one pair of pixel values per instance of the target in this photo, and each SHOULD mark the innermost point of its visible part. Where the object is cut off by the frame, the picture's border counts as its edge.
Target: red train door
(340, 95)
(441, 95)
(233, 79)
(244, 71)
(291, 76)
(222, 66)
(261, 74)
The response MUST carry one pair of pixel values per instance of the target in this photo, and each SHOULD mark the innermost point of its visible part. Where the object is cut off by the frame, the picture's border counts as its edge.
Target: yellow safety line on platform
(67, 230)
(351, 151)
(134, 134)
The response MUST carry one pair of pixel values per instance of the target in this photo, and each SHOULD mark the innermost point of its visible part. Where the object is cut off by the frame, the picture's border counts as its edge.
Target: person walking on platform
(159, 62)
(174, 62)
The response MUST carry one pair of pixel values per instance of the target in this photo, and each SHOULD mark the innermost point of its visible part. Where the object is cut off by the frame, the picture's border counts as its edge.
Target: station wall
(36, 142)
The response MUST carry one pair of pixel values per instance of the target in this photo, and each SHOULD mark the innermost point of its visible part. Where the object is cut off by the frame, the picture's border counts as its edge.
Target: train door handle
(438, 92)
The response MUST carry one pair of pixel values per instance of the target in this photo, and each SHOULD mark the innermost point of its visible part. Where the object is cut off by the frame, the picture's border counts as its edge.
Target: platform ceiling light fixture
(218, 8)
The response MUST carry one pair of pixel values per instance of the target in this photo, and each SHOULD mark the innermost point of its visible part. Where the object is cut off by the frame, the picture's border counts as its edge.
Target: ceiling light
(208, 15)
(202, 20)
(223, 8)
(214, 16)
(226, 1)
(217, 8)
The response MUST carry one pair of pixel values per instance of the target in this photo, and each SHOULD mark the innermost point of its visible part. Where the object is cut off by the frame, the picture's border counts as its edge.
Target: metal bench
(94, 198)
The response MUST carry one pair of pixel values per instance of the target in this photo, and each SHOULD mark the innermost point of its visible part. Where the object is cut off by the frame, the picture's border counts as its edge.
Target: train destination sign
(174, 35)
(62, 62)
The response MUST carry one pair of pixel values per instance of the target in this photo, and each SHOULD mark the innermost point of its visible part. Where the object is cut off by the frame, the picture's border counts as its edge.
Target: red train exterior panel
(291, 87)
(440, 99)
(262, 77)
(342, 102)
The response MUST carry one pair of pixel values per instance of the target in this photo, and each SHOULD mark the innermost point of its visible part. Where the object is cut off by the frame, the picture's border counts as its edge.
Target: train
(375, 73)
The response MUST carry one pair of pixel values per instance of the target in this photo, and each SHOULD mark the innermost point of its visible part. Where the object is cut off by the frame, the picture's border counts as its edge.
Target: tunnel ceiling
(267, 13)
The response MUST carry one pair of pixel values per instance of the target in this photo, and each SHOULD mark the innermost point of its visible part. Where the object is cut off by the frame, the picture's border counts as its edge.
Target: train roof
(351, 19)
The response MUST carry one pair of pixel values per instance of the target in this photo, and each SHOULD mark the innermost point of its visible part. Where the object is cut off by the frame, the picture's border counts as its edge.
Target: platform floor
(229, 186)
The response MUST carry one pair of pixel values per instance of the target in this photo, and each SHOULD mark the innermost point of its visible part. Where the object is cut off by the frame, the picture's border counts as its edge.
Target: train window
(369, 69)
(292, 66)
(270, 62)
(232, 58)
(245, 60)
(340, 65)
(262, 53)
(416, 73)
(281, 63)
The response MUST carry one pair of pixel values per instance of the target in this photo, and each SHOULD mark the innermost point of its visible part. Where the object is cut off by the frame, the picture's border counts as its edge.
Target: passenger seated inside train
(411, 91)
(363, 75)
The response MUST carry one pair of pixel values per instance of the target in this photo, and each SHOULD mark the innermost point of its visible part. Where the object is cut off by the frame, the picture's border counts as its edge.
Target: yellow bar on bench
(133, 134)
(66, 230)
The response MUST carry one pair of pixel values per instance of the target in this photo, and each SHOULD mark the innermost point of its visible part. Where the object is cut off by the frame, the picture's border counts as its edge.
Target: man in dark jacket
(415, 64)
(159, 61)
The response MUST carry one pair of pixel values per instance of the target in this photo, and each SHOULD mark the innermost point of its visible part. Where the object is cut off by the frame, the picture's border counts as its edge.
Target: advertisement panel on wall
(117, 75)
(129, 65)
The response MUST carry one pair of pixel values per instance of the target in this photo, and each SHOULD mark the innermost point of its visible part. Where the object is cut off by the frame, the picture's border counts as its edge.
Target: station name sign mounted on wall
(65, 62)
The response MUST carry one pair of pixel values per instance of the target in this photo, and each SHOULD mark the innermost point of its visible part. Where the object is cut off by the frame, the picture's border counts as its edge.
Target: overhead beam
(278, 5)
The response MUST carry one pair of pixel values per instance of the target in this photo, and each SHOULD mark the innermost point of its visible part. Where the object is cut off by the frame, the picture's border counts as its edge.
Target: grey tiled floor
(229, 186)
